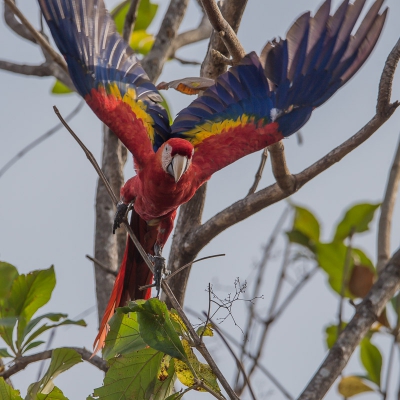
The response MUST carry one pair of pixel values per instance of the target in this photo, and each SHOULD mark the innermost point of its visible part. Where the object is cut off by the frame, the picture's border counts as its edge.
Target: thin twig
(387, 207)
(186, 62)
(389, 367)
(225, 31)
(130, 20)
(38, 36)
(22, 362)
(345, 281)
(192, 262)
(102, 266)
(39, 140)
(271, 310)
(258, 281)
(260, 170)
(263, 369)
(238, 362)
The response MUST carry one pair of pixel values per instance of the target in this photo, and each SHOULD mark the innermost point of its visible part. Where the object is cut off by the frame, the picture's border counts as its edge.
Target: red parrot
(258, 102)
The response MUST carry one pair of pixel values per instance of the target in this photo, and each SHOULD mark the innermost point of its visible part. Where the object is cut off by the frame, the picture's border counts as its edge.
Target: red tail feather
(132, 274)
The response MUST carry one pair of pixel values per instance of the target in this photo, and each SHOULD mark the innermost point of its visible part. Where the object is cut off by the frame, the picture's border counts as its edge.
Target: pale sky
(47, 199)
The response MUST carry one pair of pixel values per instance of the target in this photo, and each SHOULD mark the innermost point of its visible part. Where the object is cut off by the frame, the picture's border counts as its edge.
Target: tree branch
(154, 61)
(202, 32)
(130, 20)
(224, 30)
(16, 26)
(22, 362)
(38, 36)
(367, 313)
(259, 172)
(25, 69)
(285, 180)
(387, 207)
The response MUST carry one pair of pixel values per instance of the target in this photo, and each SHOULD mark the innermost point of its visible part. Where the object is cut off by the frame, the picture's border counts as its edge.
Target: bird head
(176, 157)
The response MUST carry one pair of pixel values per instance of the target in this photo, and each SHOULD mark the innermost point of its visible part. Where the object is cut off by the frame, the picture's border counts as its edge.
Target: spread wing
(263, 99)
(107, 74)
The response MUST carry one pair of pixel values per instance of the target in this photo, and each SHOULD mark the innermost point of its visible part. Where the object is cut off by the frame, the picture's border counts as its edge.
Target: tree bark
(108, 248)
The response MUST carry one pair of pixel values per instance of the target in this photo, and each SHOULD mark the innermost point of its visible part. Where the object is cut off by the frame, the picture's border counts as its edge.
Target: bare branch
(366, 314)
(186, 62)
(385, 220)
(259, 172)
(154, 61)
(238, 362)
(25, 69)
(130, 20)
(22, 362)
(38, 36)
(202, 32)
(102, 266)
(224, 30)
(285, 180)
(16, 26)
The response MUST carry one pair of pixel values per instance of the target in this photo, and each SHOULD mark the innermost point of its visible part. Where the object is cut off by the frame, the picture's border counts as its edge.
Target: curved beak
(178, 166)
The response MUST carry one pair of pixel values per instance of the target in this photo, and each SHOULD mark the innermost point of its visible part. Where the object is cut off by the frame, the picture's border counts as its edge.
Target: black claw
(122, 209)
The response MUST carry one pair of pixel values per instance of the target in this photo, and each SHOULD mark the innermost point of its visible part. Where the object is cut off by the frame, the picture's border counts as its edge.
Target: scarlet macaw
(255, 104)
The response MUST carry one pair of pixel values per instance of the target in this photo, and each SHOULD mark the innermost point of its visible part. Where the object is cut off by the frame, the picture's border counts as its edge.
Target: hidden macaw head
(176, 157)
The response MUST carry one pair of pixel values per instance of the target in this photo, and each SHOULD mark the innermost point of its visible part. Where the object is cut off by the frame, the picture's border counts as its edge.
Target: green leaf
(351, 385)
(203, 371)
(156, 328)
(4, 353)
(33, 345)
(8, 273)
(124, 336)
(331, 258)
(29, 293)
(306, 223)
(7, 327)
(61, 360)
(145, 15)
(371, 359)
(356, 220)
(131, 376)
(55, 317)
(166, 377)
(55, 394)
(205, 330)
(46, 327)
(7, 392)
(141, 42)
(60, 88)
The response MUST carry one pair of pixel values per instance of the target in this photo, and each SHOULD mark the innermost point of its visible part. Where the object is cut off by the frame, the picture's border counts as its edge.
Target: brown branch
(367, 313)
(224, 30)
(285, 180)
(102, 266)
(16, 26)
(25, 69)
(130, 20)
(155, 59)
(22, 362)
(387, 207)
(260, 170)
(38, 36)
(238, 362)
(186, 62)
(202, 32)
